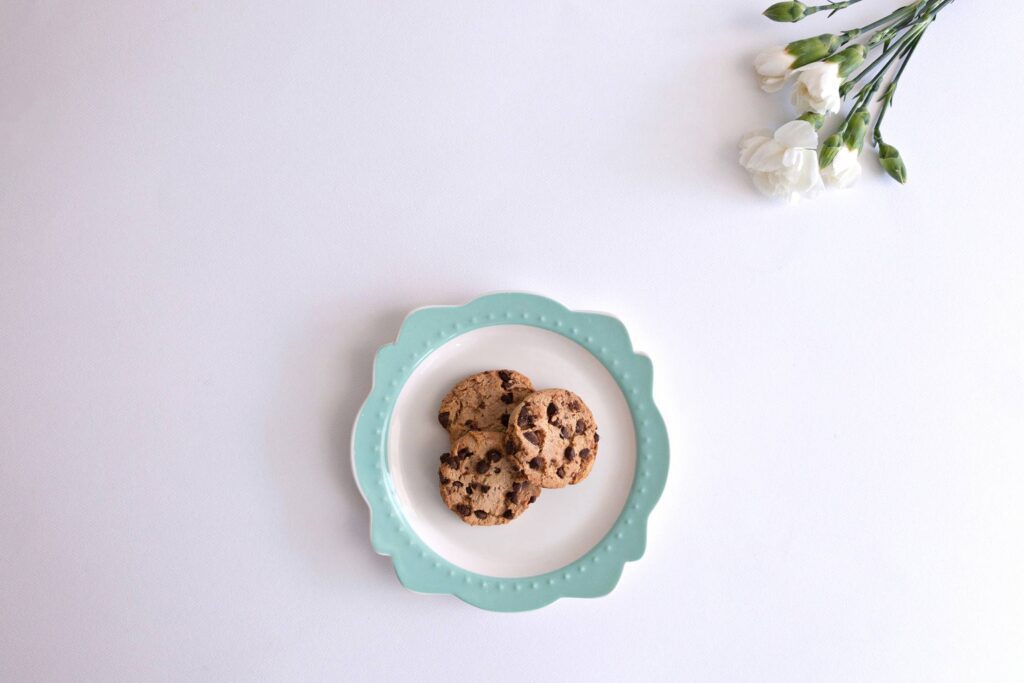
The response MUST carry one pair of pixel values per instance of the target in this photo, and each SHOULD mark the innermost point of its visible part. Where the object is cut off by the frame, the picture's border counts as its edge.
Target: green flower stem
(885, 35)
(914, 13)
(886, 98)
(836, 6)
(871, 87)
(831, 8)
(890, 56)
(901, 13)
(885, 57)
(899, 33)
(940, 4)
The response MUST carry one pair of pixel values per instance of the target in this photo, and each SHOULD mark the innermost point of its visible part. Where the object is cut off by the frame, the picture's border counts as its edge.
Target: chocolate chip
(497, 470)
(585, 453)
(494, 455)
(504, 420)
(533, 499)
(574, 405)
(552, 409)
(457, 484)
(480, 514)
(536, 463)
(570, 453)
(504, 375)
(524, 419)
(565, 432)
(510, 447)
(560, 472)
(581, 427)
(507, 398)
(465, 452)
(485, 488)
(532, 437)
(445, 480)
(507, 514)
(597, 437)
(469, 489)
(443, 418)
(463, 509)
(446, 458)
(482, 467)
(471, 425)
(510, 496)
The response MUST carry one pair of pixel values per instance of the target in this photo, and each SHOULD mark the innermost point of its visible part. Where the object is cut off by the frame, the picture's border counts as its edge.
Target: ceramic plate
(572, 541)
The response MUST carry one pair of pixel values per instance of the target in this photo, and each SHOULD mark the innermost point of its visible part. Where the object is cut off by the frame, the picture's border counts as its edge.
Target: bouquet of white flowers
(827, 71)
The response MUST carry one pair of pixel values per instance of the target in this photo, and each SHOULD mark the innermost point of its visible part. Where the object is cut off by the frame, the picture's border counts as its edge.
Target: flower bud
(812, 49)
(856, 127)
(891, 161)
(829, 149)
(812, 118)
(849, 59)
(788, 11)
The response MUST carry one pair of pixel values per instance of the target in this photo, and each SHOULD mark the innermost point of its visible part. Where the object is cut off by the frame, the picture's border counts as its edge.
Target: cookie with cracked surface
(479, 482)
(483, 402)
(553, 437)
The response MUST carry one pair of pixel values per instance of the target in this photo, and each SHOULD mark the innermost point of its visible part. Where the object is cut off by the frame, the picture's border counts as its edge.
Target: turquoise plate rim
(421, 569)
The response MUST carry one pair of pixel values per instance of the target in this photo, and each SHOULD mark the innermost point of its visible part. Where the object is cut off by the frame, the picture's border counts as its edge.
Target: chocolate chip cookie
(480, 483)
(483, 402)
(552, 436)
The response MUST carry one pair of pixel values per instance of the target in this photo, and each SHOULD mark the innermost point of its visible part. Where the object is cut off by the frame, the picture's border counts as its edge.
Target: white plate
(564, 523)
(573, 542)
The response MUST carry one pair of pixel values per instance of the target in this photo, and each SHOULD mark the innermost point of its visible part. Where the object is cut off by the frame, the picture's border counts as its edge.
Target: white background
(212, 214)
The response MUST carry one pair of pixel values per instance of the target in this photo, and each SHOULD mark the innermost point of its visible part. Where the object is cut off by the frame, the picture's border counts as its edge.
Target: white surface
(562, 525)
(211, 215)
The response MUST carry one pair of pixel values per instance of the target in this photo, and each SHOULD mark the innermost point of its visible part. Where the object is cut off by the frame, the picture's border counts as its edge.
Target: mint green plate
(573, 542)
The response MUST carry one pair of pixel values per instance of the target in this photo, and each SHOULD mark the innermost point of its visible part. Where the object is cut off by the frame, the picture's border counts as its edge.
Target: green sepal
(849, 59)
(789, 12)
(829, 149)
(892, 162)
(856, 128)
(813, 118)
(812, 49)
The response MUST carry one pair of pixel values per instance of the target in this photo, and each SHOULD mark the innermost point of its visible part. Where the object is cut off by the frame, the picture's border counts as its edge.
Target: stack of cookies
(508, 442)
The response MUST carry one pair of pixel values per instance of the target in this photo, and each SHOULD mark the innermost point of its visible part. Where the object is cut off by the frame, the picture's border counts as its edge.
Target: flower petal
(774, 62)
(797, 134)
(817, 88)
(806, 177)
(766, 157)
(750, 144)
(844, 170)
(772, 83)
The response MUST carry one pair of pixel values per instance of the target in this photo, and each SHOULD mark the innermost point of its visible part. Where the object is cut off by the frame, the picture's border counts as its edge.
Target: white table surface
(212, 214)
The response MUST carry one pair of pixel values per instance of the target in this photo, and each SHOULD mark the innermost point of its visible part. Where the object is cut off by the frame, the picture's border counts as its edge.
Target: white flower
(784, 164)
(817, 88)
(844, 169)
(773, 66)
